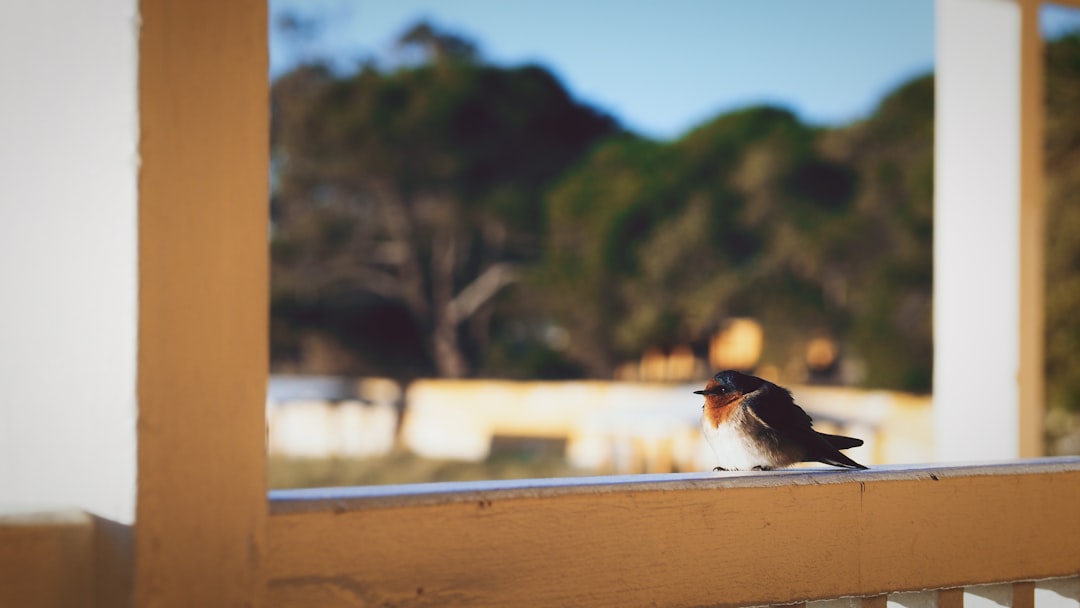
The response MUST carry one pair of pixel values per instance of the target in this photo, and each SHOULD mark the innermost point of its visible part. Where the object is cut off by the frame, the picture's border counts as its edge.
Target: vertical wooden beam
(950, 598)
(1023, 595)
(1032, 374)
(203, 111)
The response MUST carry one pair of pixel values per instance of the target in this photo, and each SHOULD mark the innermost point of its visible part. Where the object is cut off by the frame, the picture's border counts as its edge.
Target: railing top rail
(352, 498)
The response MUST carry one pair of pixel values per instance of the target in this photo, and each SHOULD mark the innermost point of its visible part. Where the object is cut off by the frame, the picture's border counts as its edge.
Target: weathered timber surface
(677, 540)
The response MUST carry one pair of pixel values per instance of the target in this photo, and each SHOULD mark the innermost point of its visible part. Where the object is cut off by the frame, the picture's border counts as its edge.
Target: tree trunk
(445, 346)
(446, 351)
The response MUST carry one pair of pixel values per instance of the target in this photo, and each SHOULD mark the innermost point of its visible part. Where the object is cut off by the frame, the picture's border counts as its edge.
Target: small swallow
(753, 424)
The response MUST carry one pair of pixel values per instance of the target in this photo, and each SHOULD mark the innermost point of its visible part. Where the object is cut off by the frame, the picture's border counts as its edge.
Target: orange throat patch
(718, 408)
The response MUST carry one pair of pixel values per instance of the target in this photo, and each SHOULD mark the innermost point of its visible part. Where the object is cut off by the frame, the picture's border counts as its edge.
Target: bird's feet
(719, 469)
(760, 468)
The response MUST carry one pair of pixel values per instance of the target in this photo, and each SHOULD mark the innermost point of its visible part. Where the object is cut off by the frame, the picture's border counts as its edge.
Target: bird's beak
(701, 393)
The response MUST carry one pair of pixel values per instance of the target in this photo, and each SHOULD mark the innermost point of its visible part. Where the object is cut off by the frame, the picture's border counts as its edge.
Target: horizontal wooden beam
(675, 540)
(46, 559)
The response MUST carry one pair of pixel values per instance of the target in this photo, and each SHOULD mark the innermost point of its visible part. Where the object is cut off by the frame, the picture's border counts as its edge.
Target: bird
(755, 425)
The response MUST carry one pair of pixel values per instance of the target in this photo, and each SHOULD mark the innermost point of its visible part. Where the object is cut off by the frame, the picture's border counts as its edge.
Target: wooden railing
(734, 539)
(945, 536)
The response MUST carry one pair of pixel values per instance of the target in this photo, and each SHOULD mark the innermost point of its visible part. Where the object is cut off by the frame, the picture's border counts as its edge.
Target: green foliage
(884, 250)
(1063, 223)
(652, 244)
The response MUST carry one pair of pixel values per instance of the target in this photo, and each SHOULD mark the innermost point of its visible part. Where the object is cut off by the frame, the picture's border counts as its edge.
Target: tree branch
(480, 291)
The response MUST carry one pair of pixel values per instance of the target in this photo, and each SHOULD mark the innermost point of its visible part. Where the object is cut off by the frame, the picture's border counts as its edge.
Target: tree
(416, 191)
(437, 46)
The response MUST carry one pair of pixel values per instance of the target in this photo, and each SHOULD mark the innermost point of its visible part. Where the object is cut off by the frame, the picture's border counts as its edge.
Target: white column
(68, 283)
(976, 230)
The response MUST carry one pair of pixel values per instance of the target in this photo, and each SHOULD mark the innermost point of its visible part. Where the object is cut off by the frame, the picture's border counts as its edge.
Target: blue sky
(663, 67)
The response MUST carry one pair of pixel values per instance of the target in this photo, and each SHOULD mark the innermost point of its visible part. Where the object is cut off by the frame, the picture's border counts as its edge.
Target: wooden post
(1032, 373)
(203, 299)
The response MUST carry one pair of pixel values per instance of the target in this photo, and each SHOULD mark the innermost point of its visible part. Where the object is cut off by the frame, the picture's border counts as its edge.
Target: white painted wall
(976, 230)
(68, 292)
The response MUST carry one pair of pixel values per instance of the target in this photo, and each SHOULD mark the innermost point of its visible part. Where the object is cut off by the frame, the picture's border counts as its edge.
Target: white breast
(734, 450)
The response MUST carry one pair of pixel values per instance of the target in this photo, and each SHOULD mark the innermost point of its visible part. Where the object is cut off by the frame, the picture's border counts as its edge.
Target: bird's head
(728, 386)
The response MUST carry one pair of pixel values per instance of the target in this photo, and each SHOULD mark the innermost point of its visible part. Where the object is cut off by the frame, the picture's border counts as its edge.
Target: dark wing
(774, 406)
